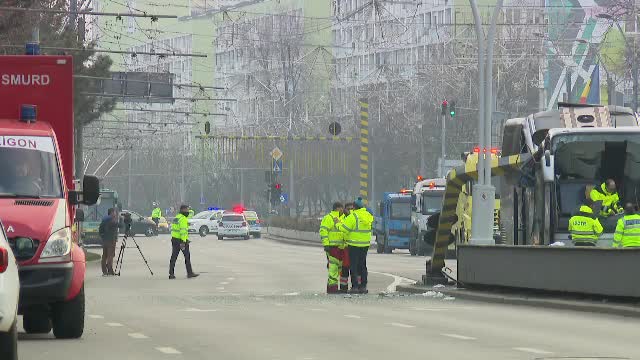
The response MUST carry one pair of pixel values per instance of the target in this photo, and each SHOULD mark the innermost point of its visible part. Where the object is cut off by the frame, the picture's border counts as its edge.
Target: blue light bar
(32, 48)
(28, 113)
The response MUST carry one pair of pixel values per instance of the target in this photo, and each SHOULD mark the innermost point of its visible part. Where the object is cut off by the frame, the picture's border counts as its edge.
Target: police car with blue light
(205, 222)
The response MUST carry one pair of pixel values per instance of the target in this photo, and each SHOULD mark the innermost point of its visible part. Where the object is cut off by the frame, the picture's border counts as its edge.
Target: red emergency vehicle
(37, 196)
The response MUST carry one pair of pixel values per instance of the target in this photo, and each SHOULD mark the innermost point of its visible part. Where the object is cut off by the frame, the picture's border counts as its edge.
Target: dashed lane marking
(351, 316)
(138, 336)
(114, 324)
(96, 316)
(459, 337)
(401, 325)
(532, 350)
(231, 279)
(318, 310)
(168, 350)
(292, 294)
(199, 310)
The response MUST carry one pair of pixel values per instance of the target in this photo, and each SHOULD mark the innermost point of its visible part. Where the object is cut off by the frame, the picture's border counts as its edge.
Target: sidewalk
(554, 301)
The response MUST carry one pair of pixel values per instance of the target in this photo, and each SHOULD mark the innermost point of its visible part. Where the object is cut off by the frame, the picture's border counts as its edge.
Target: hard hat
(155, 204)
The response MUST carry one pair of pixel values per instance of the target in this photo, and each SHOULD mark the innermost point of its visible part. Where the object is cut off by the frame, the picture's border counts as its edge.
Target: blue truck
(393, 223)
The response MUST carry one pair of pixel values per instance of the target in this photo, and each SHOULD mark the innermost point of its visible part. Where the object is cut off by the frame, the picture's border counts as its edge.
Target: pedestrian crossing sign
(277, 166)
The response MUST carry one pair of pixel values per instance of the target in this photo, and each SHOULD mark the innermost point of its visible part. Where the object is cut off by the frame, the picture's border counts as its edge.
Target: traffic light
(207, 127)
(276, 192)
(452, 109)
(444, 107)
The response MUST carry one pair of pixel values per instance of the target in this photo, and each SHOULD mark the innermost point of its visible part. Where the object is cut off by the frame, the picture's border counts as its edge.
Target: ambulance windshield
(29, 167)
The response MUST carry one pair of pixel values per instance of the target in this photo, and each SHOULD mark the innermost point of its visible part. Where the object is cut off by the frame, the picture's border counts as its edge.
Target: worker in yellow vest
(584, 227)
(332, 240)
(346, 262)
(357, 230)
(627, 233)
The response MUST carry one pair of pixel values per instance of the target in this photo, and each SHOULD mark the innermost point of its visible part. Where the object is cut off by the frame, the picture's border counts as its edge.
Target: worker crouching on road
(180, 242)
(608, 194)
(627, 233)
(357, 230)
(332, 240)
(584, 227)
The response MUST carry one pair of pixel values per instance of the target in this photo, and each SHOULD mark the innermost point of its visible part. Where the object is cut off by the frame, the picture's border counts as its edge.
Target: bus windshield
(431, 202)
(401, 209)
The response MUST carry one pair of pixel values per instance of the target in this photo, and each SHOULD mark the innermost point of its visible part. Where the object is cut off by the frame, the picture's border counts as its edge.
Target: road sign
(277, 166)
(276, 153)
(284, 198)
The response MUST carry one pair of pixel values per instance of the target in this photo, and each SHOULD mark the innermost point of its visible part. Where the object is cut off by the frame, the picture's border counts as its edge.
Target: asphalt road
(260, 299)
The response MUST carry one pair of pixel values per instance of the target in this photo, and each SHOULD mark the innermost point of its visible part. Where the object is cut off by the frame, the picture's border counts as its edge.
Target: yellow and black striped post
(364, 150)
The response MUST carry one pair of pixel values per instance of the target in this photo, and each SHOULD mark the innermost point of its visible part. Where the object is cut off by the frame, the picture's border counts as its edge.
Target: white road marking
(279, 304)
(402, 325)
(138, 336)
(318, 310)
(168, 350)
(292, 294)
(96, 316)
(459, 337)
(199, 310)
(532, 350)
(224, 283)
(114, 324)
(397, 280)
(350, 316)
(428, 309)
(231, 279)
(220, 288)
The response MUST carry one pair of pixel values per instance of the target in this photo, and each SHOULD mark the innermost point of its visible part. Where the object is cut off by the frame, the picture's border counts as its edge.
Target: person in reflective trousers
(346, 263)
(332, 240)
(180, 242)
(584, 227)
(627, 233)
(357, 230)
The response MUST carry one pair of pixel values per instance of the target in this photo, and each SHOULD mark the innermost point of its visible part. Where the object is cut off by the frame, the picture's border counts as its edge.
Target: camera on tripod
(126, 219)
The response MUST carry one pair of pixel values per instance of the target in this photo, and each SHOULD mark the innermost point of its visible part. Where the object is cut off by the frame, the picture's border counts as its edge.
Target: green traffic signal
(452, 109)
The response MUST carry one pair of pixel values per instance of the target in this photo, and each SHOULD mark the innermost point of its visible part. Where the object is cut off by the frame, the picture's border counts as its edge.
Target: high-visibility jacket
(329, 232)
(627, 232)
(344, 238)
(156, 213)
(610, 201)
(191, 212)
(584, 226)
(357, 228)
(180, 228)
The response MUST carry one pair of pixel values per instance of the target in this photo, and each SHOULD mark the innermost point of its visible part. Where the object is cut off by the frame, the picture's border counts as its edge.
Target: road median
(296, 237)
(559, 301)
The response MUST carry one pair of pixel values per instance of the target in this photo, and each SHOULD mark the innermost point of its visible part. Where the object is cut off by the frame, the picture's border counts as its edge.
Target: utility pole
(129, 197)
(184, 145)
(484, 192)
(443, 142)
(202, 171)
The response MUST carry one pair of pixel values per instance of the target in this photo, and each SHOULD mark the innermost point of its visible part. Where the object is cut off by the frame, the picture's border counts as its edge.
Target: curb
(603, 307)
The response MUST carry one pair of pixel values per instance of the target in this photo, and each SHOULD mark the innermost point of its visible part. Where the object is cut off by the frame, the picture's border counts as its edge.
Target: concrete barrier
(306, 236)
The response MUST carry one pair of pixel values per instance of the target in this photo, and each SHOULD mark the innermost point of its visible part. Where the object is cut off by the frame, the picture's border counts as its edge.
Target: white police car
(205, 222)
(9, 292)
(233, 225)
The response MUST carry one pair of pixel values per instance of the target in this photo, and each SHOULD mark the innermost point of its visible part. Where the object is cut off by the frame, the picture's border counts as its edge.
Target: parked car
(139, 224)
(9, 292)
(255, 228)
(163, 225)
(205, 222)
(233, 225)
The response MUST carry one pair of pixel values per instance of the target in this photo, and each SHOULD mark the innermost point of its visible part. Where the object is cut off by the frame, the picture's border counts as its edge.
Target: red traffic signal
(278, 186)
(445, 103)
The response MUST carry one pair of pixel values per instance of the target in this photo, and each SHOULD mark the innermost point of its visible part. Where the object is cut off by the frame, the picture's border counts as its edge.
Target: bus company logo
(25, 79)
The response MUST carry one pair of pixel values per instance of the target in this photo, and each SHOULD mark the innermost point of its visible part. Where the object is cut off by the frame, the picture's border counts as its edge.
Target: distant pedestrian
(108, 231)
(156, 213)
(627, 233)
(357, 230)
(180, 242)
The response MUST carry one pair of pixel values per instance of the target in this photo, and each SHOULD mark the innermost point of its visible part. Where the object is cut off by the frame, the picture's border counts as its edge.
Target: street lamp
(630, 58)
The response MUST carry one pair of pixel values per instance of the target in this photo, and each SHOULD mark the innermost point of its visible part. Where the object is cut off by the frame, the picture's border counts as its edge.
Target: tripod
(124, 246)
